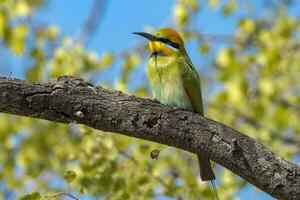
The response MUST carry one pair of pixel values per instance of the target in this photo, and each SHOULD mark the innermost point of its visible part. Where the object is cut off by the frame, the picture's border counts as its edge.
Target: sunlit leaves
(266, 86)
(247, 25)
(13, 32)
(71, 58)
(224, 58)
(35, 72)
(63, 62)
(237, 89)
(3, 24)
(130, 63)
(47, 33)
(31, 196)
(21, 8)
(204, 48)
(213, 3)
(181, 14)
(229, 183)
(258, 77)
(106, 60)
(17, 39)
(70, 176)
(183, 9)
(229, 7)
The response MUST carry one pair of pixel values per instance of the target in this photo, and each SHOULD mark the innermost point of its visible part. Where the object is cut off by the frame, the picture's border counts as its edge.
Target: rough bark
(72, 100)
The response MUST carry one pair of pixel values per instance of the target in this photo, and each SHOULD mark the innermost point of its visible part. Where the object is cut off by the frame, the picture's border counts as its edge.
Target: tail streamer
(215, 189)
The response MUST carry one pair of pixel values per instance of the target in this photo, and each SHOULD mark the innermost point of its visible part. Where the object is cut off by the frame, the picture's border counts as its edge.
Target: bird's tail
(207, 173)
(215, 189)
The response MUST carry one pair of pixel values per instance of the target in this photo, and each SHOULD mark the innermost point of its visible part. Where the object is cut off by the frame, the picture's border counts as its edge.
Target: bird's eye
(169, 42)
(166, 40)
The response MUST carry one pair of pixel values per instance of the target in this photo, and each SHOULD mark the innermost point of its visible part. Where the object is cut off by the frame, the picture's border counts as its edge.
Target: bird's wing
(191, 82)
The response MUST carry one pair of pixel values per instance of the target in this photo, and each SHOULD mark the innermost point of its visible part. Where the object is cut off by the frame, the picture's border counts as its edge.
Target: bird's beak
(146, 35)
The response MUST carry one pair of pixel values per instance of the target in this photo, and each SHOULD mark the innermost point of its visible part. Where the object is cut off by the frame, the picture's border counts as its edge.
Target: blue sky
(121, 19)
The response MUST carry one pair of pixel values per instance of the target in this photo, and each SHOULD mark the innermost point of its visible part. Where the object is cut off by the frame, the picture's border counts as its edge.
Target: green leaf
(204, 48)
(247, 25)
(31, 196)
(21, 9)
(154, 154)
(3, 24)
(70, 176)
(17, 39)
(106, 60)
(213, 3)
(229, 8)
(181, 14)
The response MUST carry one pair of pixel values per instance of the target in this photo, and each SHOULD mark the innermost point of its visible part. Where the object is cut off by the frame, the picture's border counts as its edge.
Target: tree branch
(72, 100)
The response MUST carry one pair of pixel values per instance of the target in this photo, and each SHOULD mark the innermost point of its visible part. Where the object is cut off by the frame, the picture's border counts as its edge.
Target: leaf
(204, 48)
(266, 86)
(70, 176)
(247, 25)
(106, 60)
(154, 154)
(229, 8)
(181, 14)
(3, 24)
(31, 196)
(17, 39)
(213, 3)
(21, 9)
(224, 57)
(53, 32)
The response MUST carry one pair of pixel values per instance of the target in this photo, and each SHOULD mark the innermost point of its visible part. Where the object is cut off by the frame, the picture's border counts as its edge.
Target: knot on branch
(151, 122)
(235, 146)
(79, 114)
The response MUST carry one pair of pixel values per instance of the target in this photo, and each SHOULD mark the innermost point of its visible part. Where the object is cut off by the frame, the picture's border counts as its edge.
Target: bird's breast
(166, 82)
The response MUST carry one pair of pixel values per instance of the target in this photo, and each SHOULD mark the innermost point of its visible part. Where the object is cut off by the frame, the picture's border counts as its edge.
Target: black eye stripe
(169, 42)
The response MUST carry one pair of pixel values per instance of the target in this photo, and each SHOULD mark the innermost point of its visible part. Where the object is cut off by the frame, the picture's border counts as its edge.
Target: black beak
(146, 35)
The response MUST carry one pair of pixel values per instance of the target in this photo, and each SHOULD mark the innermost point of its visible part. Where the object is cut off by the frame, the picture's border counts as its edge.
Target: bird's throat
(161, 49)
(157, 54)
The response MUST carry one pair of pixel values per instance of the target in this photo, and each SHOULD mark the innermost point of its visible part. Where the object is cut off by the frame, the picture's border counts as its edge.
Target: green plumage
(175, 82)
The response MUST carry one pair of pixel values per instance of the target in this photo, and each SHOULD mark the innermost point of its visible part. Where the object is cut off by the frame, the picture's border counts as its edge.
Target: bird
(175, 82)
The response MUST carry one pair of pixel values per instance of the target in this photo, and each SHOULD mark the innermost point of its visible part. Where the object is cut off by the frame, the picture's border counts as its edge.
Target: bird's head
(165, 41)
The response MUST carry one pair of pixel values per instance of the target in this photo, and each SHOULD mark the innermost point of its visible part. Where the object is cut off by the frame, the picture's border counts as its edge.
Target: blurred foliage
(256, 89)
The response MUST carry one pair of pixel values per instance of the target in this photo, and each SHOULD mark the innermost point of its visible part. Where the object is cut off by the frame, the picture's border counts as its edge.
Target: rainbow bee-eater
(174, 80)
